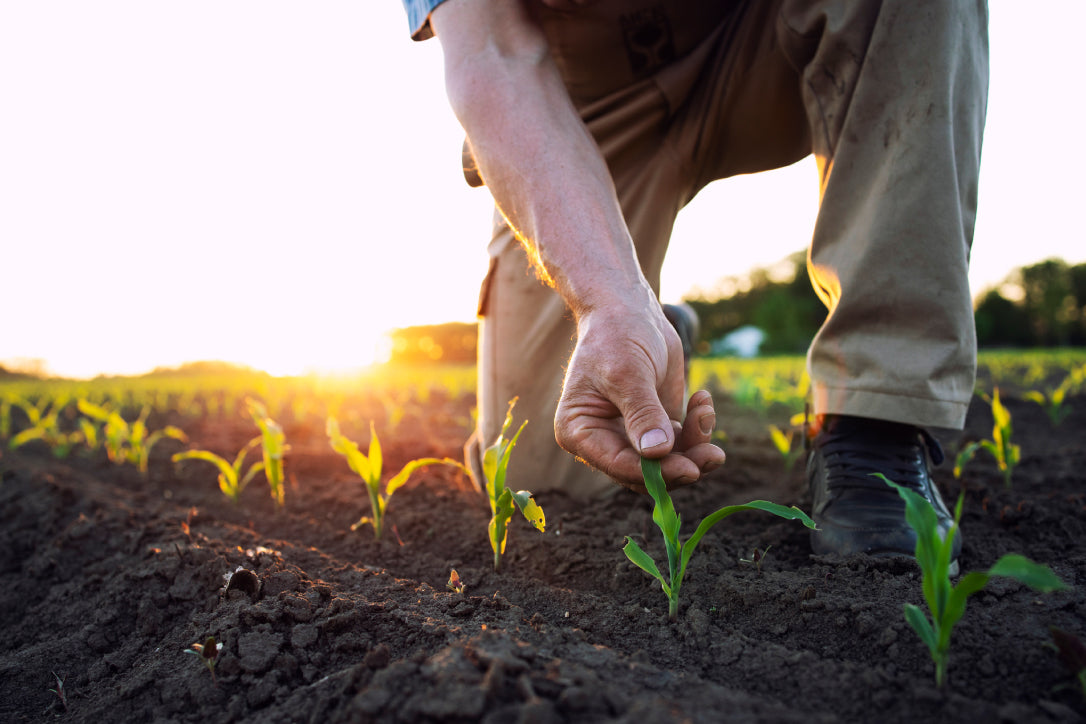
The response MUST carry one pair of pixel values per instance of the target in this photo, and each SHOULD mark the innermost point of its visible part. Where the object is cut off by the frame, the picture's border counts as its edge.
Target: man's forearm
(542, 166)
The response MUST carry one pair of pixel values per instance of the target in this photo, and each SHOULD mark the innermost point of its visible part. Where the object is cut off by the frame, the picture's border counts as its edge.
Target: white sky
(276, 183)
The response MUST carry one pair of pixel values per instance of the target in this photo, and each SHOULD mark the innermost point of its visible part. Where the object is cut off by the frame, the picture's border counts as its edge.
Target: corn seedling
(44, 422)
(455, 584)
(782, 441)
(274, 446)
(669, 522)
(208, 653)
(1072, 652)
(502, 499)
(1052, 401)
(59, 691)
(124, 442)
(368, 467)
(757, 558)
(946, 602)
(231, 481)
(1007, 455)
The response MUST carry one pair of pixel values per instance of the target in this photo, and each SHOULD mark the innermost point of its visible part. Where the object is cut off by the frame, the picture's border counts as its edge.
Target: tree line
(1042, 305)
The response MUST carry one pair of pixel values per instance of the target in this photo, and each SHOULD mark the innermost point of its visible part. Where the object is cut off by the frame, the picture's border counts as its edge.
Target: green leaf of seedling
(964, 456)
(346, 447)
(250, 474)
(92, 410)
(781, 511)
(919, 622)
(1025, 571)
(503, 461)
(644, 561)
(530, 509)
(25, 436)
(210, 457)
(782, 442)
(376, 461)
(401, 477)
(240, 459)
(664, 515)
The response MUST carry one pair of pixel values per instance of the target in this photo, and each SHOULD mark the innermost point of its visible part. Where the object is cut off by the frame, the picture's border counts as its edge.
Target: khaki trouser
(889, 96)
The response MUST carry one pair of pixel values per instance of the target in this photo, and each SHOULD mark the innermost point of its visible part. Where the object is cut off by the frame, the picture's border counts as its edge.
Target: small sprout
(669, 522)
(946, 603)
(59, 691)
(1052, 401)
(756, 558)
(231, 481)
(208, 652)
(1072, 652)
(455, 584)
(502, 500)
(124, 442)
(782, 441)
(274, 446)
(1007, 455)
(368, 467)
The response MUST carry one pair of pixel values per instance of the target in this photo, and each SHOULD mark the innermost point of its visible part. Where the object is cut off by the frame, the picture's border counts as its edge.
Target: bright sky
(276, 183)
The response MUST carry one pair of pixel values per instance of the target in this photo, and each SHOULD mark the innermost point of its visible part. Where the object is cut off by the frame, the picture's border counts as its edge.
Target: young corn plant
(60, 692)
(1053, 401)
(231, 481)
(274, 446)
(368, 467)
(44, 419)
(503, 501)
(946, 602)
(124, 442)
(782, 441)
(669, 522)
(1007, 455)
(208, 653)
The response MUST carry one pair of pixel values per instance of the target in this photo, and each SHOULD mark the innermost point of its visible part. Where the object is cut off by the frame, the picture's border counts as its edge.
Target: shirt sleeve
(418, 17)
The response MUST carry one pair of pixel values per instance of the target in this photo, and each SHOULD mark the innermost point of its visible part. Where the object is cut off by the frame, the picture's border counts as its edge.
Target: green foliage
(780, 301)
(783, 442)
(273, 445)
(231, 481)
(368, 467)
(502, 499)
(669, 522)
(1052, 400)
(124, 442)
(44, 419)
(1045, 306)
(946, 602)
(1007, 455)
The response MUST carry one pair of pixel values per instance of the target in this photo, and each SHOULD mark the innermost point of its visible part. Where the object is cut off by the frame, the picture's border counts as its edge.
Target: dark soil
(106, 577)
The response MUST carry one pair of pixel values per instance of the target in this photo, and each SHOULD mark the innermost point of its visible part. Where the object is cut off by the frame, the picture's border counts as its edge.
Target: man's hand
(623, 397)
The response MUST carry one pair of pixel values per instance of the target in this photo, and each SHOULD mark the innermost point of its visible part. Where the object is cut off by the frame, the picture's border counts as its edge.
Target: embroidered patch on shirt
(648, 38)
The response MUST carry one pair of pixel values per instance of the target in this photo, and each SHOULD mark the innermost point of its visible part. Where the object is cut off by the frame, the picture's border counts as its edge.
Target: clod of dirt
(244, 581)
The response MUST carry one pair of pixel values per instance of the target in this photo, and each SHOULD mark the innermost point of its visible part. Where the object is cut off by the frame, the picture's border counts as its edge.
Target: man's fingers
(700, 422)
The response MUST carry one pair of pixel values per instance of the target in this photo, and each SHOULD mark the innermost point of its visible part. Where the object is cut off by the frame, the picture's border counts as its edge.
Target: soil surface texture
(107, 576)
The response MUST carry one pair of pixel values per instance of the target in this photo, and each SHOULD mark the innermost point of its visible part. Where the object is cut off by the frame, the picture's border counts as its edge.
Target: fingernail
(652, 438)
(707, 423)
(710, 466)
(684, 480)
